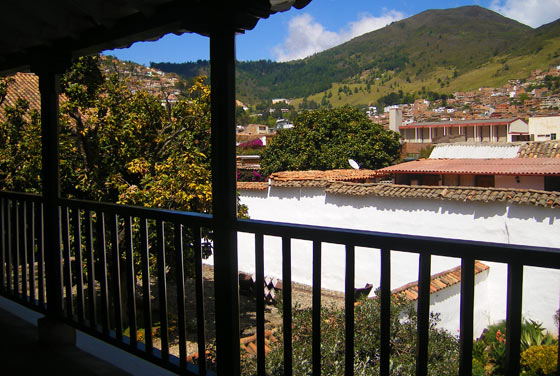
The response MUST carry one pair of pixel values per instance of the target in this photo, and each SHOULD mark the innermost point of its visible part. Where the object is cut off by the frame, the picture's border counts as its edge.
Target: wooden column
(49, 88)
(49, 68)
(224, 200)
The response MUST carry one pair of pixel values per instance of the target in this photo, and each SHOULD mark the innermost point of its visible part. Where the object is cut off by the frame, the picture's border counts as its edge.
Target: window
(553, 136)
(552, 183)
(485, 181)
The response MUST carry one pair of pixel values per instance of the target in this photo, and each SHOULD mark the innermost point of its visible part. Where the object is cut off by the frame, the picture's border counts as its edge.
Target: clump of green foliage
(540, 360)
(325, 139)
(489, 351)
(443, 349)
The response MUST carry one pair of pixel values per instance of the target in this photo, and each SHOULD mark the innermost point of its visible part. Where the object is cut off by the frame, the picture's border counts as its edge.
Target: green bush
(443, 348)
(541, 360)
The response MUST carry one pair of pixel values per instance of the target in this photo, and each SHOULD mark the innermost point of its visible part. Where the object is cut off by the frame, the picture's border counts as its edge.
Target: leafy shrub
(542, 360)
(490, 348)
(443, 348)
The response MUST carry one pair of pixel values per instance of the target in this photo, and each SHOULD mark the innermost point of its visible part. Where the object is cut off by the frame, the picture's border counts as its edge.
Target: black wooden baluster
(102, 254)
(16, 245)
(424, 279)
(349, 310)
(200, 337)
(259, 283)
(131, 283)
(23, 250)
(287, 304)
(385, 314)
(316, 310)
(90, 271)
(41, 256)
(116, 276)
(146, 291)
(162, 291)
(180, 295)
(67, 275)
(466, 316)
(2, 247)
(31, 251)
(513, 318)
(80, 308)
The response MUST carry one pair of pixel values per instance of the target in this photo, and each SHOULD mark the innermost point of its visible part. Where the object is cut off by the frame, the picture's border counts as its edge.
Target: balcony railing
(120, 267)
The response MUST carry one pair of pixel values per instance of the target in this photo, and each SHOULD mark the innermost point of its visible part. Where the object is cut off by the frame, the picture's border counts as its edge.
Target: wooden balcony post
(49, 88)
(49, 71)
(224, 199)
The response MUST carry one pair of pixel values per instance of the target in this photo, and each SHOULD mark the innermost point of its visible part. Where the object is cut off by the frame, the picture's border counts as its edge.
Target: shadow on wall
(285, 193)
(383, 203)
(539, 214)
(256, 193)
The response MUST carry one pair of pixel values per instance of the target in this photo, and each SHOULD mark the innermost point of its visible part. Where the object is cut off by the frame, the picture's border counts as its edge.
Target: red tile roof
(438, 281)
(472, 194)
(252, 185)
(540, 149)
(329, 175)
(506, 166)
(22, 86)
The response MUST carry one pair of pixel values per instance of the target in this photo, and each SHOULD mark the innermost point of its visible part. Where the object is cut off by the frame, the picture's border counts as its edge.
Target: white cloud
(530, 12)
(307, 36)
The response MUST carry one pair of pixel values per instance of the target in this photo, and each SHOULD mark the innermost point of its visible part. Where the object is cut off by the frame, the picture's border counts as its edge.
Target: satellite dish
(354, 164)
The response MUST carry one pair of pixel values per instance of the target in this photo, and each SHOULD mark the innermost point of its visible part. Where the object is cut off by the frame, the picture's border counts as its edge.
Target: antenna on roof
(354, 164)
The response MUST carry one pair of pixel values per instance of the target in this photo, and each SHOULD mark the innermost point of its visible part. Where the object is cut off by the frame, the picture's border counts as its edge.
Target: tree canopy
(116, 145)
(326, 139)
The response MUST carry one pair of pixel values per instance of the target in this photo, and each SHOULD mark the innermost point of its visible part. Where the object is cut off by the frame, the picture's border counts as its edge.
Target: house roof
(252, 185)
(24, 86)
(459, 123)
(438, 281)
(502, 166)
(31, 30)
(472, 194)
(542, 149)
(473, 150)
(329, 175)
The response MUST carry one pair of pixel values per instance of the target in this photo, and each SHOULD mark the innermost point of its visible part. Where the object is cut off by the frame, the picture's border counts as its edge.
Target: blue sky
(323, 24)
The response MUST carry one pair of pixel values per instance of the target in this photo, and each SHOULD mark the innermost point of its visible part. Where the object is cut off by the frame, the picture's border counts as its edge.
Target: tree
(325, 139)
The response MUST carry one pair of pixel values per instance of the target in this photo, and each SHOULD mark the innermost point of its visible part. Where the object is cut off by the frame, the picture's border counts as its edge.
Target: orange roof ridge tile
(438, 281)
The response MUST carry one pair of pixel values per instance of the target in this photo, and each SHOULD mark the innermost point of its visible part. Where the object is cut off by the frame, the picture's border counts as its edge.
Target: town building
(485, 214)
(527, 165)
(544, 128)
(489, 130)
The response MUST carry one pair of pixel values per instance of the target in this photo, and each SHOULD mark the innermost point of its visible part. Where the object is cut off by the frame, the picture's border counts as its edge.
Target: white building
(480, 214)
(491, 130)
(544, 128)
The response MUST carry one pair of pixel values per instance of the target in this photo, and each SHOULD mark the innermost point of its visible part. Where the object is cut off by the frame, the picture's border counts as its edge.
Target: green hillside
(437, 50)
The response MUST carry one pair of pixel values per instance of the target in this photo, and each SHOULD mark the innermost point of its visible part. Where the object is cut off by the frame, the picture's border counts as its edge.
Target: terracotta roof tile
(22, 86)
(252, 185)
(470, 194)
(336, 175)
(505, 166)
(543, 149)
(438, 281)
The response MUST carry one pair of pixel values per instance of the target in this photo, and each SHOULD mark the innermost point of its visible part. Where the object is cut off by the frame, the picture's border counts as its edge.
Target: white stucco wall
(494, 222)
(542, 127)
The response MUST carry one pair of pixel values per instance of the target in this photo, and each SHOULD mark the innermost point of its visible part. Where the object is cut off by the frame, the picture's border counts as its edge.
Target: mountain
(441, 50)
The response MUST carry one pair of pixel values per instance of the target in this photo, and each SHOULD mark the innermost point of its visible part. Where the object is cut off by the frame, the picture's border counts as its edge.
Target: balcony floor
(22, 354)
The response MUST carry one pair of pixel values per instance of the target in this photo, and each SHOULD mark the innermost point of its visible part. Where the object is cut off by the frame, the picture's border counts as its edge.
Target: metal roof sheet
(474, 151)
